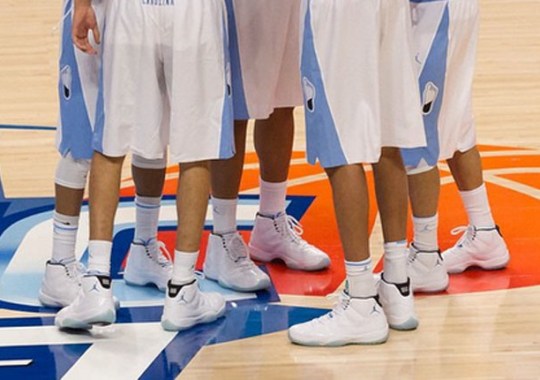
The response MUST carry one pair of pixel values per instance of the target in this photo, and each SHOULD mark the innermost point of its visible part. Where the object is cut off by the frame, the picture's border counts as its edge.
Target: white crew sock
(147, 218)
(395, 262)
(224, 214)
(477, 206)
(99, 260)
(65, 229)
(360, 281)
(273, 196)
(425, 233)
(184, 267)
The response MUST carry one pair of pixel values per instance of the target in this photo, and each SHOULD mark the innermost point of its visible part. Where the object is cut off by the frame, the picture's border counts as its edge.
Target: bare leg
(68, 201)
(424, 189)
(104, 191)
(148, 182)
(351, 203)
(227, 174)
(466, 169)
(391, 186)
(273, 143)
(192, 203)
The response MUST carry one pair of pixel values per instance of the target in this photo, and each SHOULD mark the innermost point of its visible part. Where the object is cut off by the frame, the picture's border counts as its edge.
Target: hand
(84, 20)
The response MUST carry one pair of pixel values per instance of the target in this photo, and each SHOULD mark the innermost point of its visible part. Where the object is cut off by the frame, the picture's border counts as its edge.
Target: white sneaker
(94, 305)
(60, 284)
(278, 237)
(426, 271)
(147, 264)
(352, 321)
(398, 304)
(481, 247)
(186, 306)
(227, 262)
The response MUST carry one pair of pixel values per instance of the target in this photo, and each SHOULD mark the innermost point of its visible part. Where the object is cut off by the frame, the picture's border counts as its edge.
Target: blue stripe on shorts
(432, 78)
(322, 139)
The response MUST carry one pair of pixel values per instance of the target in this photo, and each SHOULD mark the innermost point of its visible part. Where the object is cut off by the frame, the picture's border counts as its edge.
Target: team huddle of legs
(177, 82)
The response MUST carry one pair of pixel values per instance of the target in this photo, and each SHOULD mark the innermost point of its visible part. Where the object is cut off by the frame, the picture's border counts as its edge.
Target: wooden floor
(471, 335)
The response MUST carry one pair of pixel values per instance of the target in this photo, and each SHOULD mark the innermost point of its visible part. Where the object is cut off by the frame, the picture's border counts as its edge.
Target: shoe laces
(294, 230)
(469, 234)
(341, 302)
(75, 270)
(237, 251)
(163, 257)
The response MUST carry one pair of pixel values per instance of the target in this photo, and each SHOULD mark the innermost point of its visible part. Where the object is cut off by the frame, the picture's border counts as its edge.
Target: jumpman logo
(94, 288)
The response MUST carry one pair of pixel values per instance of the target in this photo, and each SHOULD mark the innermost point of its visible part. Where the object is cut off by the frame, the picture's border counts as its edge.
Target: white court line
(15, 363)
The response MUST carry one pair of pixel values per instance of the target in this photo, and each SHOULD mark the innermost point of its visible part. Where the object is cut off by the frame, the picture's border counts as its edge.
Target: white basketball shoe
(398, 304)
(279, 237)
(148, 263)
(481, 247)
(61, 283)
(186, 306)
(94, 305)
(352, 321)
(426, 271)
(227, 262)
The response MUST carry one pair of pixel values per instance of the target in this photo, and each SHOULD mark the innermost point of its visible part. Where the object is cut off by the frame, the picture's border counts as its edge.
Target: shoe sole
(225, 284)
(104, 319)
(361, 341)
(494, 264)
(50, 301)
(191, 322)
(267, 257)
(130, 280)
(409, 325)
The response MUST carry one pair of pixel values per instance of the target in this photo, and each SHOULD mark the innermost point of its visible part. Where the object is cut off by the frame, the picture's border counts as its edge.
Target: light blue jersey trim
(433, 74)
(239, 96)
(76, 126)
(97, 141)
(227, 146)
(321, 134)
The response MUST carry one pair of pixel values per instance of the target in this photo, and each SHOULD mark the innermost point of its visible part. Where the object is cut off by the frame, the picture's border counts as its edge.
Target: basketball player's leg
(61, 279)
(274, 235)
(149, 261)
(62, 275)
(332, 138)
(426, 268)
(482, 244)
(227, 256)
(185, 304)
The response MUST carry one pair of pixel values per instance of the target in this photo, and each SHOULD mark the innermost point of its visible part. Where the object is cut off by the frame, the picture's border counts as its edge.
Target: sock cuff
(224, 202)
(147, 202)
(470, 193)
(99, 244)
(177, 252)
(65, 220)
(426, 220)
(272, 185)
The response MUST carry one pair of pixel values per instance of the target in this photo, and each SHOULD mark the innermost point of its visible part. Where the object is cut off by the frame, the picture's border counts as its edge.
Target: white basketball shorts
(265, 56)
(445, 36)
(77, 90)
(165, 81)
(359, 81)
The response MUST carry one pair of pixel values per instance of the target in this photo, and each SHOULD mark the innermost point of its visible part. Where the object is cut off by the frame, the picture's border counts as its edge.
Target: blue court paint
(48, 362)
(26, 127)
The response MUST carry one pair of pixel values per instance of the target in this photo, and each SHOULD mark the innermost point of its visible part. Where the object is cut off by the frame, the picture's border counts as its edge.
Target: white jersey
(265, 57)
(359, 80)
(166, 81)
(77, 90)
(445, 36)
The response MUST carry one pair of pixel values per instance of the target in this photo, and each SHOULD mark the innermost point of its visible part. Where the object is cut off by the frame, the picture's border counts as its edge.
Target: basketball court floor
(485, 326)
